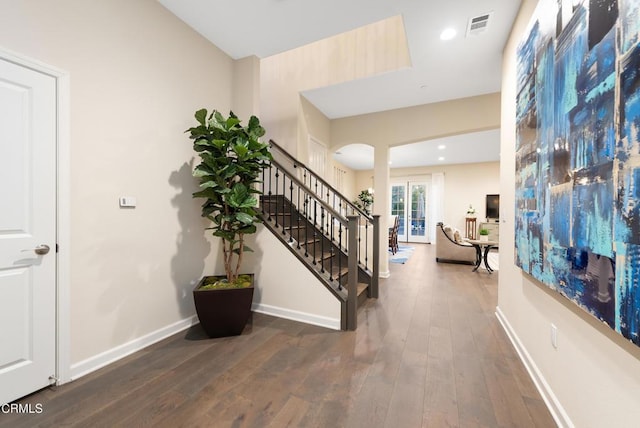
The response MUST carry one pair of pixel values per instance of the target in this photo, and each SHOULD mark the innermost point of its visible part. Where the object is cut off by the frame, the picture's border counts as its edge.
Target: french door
(409, 201)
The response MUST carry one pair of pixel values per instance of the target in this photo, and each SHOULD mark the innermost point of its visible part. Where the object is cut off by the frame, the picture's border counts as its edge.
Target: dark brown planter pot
(223, 312)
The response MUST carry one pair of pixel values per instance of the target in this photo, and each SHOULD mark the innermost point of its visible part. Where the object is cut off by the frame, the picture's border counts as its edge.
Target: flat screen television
(493, 207)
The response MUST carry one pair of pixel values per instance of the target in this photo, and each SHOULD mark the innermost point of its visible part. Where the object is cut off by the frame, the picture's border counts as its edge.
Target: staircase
(333, 238)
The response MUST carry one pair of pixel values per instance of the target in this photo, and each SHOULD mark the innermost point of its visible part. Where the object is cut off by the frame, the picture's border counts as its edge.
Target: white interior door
(27, 229)
(317, 157)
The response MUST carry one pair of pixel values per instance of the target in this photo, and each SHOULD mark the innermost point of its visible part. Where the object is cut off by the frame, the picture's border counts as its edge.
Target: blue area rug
(403, 254)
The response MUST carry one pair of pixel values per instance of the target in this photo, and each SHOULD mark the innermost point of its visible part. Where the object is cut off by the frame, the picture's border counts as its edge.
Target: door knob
(41, 250)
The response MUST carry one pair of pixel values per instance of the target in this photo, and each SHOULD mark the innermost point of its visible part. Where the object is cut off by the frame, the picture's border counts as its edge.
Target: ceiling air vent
(478, 24)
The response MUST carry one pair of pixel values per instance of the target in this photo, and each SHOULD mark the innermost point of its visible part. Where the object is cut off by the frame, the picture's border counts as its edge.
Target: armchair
(452, 250)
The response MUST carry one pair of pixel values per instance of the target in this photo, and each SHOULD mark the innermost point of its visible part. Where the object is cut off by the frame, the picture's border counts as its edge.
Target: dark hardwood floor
(429, 353)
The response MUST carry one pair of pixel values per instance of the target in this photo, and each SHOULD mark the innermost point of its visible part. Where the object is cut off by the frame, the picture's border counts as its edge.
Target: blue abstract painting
(577, 214)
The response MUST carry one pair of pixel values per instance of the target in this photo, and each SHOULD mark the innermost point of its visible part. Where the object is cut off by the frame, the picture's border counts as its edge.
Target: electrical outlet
(554, 336)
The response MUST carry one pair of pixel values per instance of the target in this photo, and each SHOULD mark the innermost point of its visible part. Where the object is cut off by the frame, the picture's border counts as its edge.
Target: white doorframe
(406, 183)
(318, 147)
(63, 223)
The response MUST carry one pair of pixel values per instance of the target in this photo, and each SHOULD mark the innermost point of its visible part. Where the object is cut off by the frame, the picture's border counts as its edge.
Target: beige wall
(419, 123)
(593, 378)
(464, 184)
(246, 88)
(137, 75)
(365, 51)
(312, 123)
(296, 295)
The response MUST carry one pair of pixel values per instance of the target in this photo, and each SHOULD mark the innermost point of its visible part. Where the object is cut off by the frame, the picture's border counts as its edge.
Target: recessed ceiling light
(448, 34)
(442, 147)
(441, 158)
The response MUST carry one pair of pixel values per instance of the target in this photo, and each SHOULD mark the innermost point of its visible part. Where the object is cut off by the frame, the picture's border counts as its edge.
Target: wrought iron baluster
(284, 201)
(306, 224)
(339, 256)
(332, 251)
(316, 186)
(276, 195)
(298, 218)
(322, 239)
(270, 194)
(315, 228)
(366, 244)
(262, 201)
(358, 252)
(290, 210)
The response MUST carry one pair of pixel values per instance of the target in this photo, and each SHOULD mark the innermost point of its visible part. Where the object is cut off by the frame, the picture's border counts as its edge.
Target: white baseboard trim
(553, 404)
(290, 314)
(385, 274)
(112, 355)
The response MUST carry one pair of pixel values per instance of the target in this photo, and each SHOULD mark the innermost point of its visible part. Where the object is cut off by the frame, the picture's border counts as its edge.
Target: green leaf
(244, 218)
(208, 184)
(206, 193)
(253, 122)
(232, 121)
(202, 170)
(220, 144)
(198, 131)
(248, 230)
(217, 121)
(201, 116)
(239, 194)
(254, 128)
(240, 150)
(248, 202)
(228, 236)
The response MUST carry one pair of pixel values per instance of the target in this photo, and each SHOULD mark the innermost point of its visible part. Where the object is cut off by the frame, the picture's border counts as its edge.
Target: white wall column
(381, 206)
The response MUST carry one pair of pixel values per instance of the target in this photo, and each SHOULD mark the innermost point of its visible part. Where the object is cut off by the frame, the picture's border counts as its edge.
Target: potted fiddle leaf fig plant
(364, 200)
(232, 158)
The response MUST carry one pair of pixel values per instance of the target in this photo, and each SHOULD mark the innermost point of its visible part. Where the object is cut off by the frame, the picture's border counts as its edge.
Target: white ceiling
(462, 67)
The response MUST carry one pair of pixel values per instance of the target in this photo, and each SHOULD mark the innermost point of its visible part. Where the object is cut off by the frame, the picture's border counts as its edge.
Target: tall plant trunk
(240, 253)
(227, 253)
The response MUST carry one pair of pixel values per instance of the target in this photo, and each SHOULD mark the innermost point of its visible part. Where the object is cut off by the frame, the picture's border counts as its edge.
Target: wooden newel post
(352, 276)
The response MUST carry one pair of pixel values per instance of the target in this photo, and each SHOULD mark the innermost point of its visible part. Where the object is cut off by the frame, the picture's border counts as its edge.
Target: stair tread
(362, 287)
(339, 270)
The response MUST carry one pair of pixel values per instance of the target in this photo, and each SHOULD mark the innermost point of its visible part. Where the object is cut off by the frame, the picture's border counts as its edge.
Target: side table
(482, 255)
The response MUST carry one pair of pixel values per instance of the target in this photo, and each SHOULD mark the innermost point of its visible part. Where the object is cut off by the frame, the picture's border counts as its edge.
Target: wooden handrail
(326, 206)
(322, 180)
